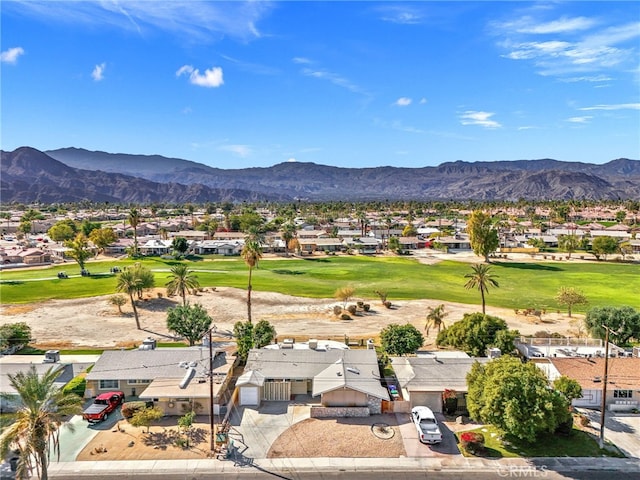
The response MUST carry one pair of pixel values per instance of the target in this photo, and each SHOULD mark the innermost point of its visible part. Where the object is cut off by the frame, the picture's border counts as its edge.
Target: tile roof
(623, 372)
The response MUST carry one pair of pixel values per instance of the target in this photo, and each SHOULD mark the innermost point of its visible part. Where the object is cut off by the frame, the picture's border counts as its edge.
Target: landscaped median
(497, 444)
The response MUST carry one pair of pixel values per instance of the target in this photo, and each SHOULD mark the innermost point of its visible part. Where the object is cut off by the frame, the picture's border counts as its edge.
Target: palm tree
(132, 280)
(134, 221)
(435, 318)
(182, 281)
(251, 253)
(34, 432)
(288, 234)
(481, 279)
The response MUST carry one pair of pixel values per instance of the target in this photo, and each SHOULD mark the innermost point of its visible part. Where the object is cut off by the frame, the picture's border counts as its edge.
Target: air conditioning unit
(51, 356)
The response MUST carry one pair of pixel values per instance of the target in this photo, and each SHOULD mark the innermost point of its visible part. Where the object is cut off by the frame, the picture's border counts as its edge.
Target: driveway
(77, 433)
(415, 448)
(254, 429)
(623, 430)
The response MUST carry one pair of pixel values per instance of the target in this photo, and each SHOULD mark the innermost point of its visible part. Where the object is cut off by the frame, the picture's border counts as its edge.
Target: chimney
(313, 343)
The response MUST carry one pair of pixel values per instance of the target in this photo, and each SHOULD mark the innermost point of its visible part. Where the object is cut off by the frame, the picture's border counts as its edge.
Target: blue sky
(349, 84)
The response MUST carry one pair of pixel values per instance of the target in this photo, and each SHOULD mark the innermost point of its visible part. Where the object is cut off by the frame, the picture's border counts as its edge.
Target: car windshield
(429, 421)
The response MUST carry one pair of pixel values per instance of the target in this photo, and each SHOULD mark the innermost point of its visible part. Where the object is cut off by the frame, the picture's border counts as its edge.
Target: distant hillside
(28, 175)
(100, 176)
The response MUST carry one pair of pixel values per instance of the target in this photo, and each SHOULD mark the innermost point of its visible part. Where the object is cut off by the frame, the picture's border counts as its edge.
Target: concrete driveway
(77, 433)
(415, 448)
(623, 430)
(254, 429)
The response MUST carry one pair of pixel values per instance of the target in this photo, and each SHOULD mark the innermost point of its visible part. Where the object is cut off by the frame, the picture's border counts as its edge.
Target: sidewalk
(300, 465)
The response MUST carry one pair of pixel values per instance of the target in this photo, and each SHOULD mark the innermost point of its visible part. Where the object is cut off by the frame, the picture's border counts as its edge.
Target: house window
(137, 382)
(108, 384)
(622, 393)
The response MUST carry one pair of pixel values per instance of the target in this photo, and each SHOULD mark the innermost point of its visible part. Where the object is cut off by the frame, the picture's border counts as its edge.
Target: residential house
(422, 380)
(219, 247)
(623, 382)
(155, 247)
(9, 399)
(347, 381)
(456, 243)
(175, 379)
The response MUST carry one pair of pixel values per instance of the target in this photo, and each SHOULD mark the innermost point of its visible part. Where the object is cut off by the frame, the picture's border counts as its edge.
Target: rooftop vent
(148, 344)
(597, 379)
(187, 378)
(353, 370)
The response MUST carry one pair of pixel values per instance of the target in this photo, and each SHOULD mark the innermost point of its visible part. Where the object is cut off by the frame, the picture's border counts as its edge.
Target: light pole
(603, 406)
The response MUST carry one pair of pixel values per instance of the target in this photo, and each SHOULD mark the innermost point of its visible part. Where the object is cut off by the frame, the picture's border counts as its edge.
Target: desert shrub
(366, 307)
(337, 309)
(360, 304)
(352, 309)
(345, 316)
(472, 442)
(130, 408)
(387, 304)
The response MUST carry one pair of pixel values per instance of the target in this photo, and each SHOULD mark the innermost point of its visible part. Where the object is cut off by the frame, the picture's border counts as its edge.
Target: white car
(426, 425)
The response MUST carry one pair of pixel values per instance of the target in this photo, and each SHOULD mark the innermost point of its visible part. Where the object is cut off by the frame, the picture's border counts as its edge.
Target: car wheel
(104, 417)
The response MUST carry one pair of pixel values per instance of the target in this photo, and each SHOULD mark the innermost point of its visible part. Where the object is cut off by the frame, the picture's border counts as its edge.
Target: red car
(102, 406)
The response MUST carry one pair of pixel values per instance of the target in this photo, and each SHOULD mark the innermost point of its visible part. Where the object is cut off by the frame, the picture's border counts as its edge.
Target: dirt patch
(133, 443)
(339, 437)
(94, 322)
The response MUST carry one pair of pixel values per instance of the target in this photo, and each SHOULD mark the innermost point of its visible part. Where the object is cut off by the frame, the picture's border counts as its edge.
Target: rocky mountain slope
(73, 174)
(28, 175)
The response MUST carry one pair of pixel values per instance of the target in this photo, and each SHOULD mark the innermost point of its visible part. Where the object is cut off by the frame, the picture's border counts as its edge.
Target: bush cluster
(472, 442)
(130, 408)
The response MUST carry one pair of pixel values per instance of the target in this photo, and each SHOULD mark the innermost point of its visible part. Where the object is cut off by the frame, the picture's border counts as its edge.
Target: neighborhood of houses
(349, 234)
(334, 379)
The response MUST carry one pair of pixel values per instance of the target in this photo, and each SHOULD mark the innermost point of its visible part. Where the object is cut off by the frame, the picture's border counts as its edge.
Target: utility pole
(212, 441)
(603, 406)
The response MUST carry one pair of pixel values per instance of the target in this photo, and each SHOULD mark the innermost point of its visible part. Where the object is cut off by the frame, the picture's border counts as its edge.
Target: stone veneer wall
(375, 405)
(339, 412)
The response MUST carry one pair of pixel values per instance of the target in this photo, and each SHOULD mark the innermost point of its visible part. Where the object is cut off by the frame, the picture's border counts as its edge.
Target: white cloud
(196, 21)
(334, 78)
(584, 119)
(301, 60)
(423, 101)
(238, 150)
(620, 106)
(291, 160)
(403, 102)
(483, 119)
(528, 24)
(98, 72)
(211, 78)
(569, 46)
(401, 14)
(11, 55)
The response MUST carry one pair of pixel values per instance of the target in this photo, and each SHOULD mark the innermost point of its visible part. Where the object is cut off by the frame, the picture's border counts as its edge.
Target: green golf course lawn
(522, 285)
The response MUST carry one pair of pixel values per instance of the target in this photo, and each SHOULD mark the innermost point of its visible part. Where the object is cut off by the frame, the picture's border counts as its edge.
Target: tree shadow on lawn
(529, 266)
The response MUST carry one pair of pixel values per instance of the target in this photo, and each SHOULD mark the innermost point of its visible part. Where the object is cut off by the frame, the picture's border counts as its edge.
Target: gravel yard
(340, 437)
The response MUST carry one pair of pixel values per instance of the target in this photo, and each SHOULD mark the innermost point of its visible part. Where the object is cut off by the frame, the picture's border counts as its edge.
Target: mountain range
(74, 175)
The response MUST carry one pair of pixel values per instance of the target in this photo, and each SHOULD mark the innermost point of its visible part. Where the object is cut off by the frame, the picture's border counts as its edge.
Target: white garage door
(248, 395)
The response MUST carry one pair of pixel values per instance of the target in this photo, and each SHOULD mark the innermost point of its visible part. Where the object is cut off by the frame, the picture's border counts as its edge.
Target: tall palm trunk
(135, 310)
(249, 297)
(482, 295)
(44, 465)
